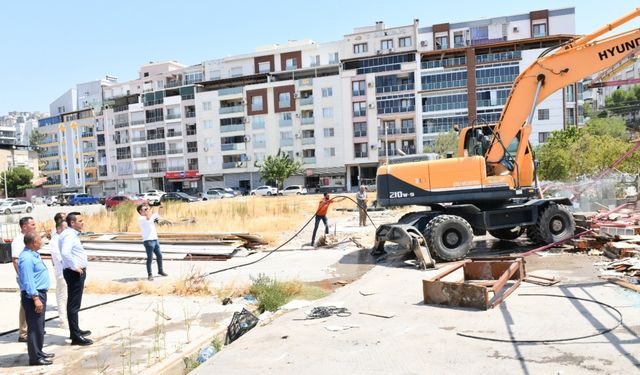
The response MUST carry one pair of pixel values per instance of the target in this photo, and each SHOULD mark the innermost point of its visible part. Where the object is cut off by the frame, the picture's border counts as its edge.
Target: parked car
(215, 194)
(102, 200)
(178, 197)
(63, 199)
(152, 197)
(115, 200)
(294, 190)
(225, 190)
(156, 191)
(51, 200)
(240, 190)
(80, 199)
(264, 190)
(15, 206)
(36, 199)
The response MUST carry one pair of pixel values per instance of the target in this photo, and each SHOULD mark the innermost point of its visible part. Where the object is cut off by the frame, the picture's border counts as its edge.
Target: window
(442, 42)
(386, 44)
(360, 48)
(327, 112)
(264, 67)
(360, 150)
(211, 160)
(193, 77)
(358, 88)
(404, 42)
(543, 136)
(539, 30)
(256, 103)
(286, 116)
(206, 106)
(543, 114)
(214, 74)
(334, 58)
(359, 129)
(192, 146)
(291, 64)
(236, 71)
(359, 109)
(284, 100)
(328, 132)
(327, 91)
(286, 135)
(329, 152)
(314, 60)
(207, 124)
(458, 39)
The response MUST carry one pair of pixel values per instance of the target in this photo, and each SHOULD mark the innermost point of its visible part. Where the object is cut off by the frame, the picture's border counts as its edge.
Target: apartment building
(467, 69)
(339, 107)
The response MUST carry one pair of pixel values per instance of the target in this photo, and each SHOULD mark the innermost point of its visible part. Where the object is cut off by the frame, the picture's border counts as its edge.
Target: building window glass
(207, 124)
(214, 74)
(236, 71)
(291, 64)
(386, 44)
(359, 109)
(334, 58)
(314, 60)
(206, 106)
(329, 152)
(360, 48)
(543, 114)
(458, 40)
(543, 136)
(327, 91)
(327, 112)
(328, 132)
(264, 67)
(442, 42)
(359, 129)
(404, 42)
(256, 103)
(284, 100)
(539, 30)
(358, 88)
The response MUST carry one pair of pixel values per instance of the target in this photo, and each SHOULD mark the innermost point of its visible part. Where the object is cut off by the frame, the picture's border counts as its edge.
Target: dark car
(115, 200)
(178, 197)
(80, 199)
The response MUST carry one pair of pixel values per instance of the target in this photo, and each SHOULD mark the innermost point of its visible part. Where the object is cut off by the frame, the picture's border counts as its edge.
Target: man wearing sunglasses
(147, 221)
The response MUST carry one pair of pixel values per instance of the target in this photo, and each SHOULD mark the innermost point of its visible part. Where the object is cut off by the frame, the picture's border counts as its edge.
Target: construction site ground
(152, 334)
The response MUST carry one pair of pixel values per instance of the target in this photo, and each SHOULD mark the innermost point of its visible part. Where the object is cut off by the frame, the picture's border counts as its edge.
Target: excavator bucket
(406, 236)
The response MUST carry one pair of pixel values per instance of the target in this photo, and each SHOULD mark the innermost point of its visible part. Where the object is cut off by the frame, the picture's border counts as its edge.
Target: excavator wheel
(555, 223)
(449, 237)
(507, 234)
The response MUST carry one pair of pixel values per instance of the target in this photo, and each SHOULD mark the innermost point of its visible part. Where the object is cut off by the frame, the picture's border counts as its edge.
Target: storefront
(189, 182)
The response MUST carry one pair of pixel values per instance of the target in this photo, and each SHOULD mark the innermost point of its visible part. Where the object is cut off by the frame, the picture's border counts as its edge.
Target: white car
(15, 206)
(152, 197)
(156, 191)
(264, 190)
(294, 190)
(215, 194)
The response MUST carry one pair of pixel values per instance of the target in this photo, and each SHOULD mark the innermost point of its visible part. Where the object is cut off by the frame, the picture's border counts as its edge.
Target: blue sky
(48, 46)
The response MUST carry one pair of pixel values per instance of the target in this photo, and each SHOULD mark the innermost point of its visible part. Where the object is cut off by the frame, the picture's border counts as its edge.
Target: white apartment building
(337, 107)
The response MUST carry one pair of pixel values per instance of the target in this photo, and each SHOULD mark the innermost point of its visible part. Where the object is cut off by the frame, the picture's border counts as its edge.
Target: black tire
(507, 234)
(555, 223)
(29, 209)
(449, 237)
(204, 199)
(269, 193)
(7, 212)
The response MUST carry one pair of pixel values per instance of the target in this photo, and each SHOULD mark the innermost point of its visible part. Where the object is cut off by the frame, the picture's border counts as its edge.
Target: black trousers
(75, 287)
(35, 325)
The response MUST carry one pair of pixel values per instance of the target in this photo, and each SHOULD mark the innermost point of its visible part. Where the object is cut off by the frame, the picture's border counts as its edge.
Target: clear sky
(48, 46)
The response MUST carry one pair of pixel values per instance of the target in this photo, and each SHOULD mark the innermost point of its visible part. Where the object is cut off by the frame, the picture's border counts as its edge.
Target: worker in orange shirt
(321, 214)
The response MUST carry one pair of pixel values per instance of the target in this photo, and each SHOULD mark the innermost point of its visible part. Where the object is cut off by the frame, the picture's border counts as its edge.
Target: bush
(124, 213)
(270, 293)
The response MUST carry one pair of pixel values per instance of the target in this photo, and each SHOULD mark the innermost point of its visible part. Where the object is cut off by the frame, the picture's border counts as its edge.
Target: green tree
(445, 142)
(35, 141)
(18, 180)
(279, 167)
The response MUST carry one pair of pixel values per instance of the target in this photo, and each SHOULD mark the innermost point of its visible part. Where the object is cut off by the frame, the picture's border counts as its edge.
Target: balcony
(49, 154)
(190, 114)
(360, 113)
(139, 139)
(286, 142)
(157, 153)
(90, 180)
(151, 137)
(444, 106)
(401, 109)
(154, 119)
(121, 108)
(125, 172)
(175, 167)
(308, 141)
(389, 152)
(230, 91)
(193, 166)
(193, 131)
(453, 61)
(90, 165)
(361, 154)
(49, 140)
(444, 84)
(140, 154)
(309, 160)
(307, 120)
(175, 151)
(408, 130)
(488, 103)
(285, 122)
(141, 171)
(121, 124)
(173, 116)
(170, 84)
(87, 134)
(261, 144)
(394, 88)
(158, 169)
(233, 146)
(137, 122)
(359, 133)
(307, 82)
(306, 101)
(229, 165)
(172, 134)
(51, 168)
(231, 109)
(153, 102)
(232, 128)
(191, 150)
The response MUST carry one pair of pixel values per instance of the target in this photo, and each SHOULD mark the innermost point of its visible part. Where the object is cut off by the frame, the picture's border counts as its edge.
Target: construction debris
(484, 283)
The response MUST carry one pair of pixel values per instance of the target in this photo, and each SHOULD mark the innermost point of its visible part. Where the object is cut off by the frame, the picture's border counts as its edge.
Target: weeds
(272, 294)
(193, 283)
(124, 213)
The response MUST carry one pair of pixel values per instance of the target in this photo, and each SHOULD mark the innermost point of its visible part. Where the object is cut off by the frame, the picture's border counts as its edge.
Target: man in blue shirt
(33, 278)
(74, 263)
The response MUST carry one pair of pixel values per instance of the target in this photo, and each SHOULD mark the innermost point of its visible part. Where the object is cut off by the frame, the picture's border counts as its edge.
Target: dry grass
(269, 217)
(192, 284)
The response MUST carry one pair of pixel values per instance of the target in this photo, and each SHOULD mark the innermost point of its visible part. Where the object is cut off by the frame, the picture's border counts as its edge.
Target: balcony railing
(157, 153)
(360, 133)
(191, 114)
(231, 128)
(89, 180)
(137, 122)
(49, 154)
(87, 134)
(444, 84)
(305, 82)
(408, 130)
(140, 154)
(393, 88)
(153, 102)
(170, 84)
(306, 120)
(193, 166)
(192, 131)
(154, 119)
(139, 139)
(121, 124)
(174, 151)
(285, 122)
(125, 172)
(151, 137)
(306, 101)
(444, 106)
(453, 61)
(90, 165)
(141, 171)
(308, 141)
(158, 169)
(233, 146)
(361, 154)
(231, 109)
(261, 144)
(400, 109)
(309, 160)
(173, 116)
(360, 113)
(174, 134)
(192, 149)
(230, 91)
(286, 142)
(229, 165)
(50, 168)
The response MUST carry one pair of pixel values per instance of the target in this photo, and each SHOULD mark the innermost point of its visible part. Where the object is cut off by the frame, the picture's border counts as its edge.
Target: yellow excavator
(491, 185)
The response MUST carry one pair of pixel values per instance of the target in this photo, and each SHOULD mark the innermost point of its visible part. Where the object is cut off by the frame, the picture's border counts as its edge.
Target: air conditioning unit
(247, 138)
(243, 102)
(372, 105)
(370, 84)
(390, 50)
(296, 95)
(423, 43)
(246, 120)
(205, 149)
(297, 153)
(515, 29)
(379, 52)
(297, 135)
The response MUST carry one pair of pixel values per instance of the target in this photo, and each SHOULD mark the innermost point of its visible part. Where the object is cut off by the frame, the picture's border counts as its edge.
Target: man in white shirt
(147, 221)
(27, 225)
(56, 259)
